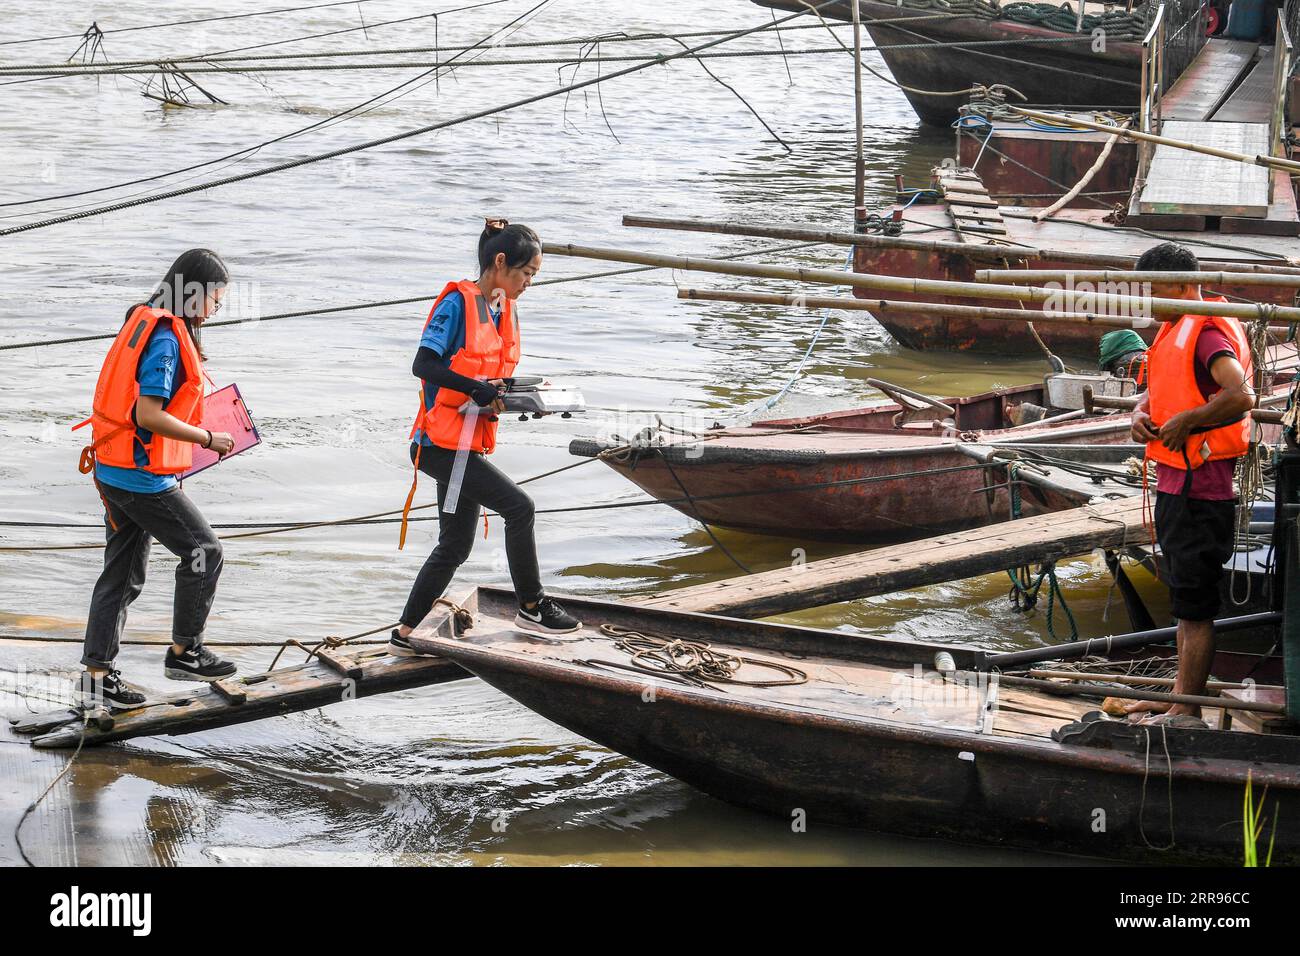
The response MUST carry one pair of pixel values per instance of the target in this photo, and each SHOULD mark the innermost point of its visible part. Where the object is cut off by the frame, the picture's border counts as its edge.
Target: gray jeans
(172, 518)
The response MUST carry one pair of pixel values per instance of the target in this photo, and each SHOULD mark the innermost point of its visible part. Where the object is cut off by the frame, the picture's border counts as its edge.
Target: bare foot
(1141, 709)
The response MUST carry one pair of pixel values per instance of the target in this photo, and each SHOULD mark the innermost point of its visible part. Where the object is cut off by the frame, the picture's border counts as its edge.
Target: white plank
(1181, 181)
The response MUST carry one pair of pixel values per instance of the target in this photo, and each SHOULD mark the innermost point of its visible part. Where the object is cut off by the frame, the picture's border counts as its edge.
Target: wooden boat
(874, 738)
(1061, 72)
(1083, 229)
(855, 476)
(889, 472)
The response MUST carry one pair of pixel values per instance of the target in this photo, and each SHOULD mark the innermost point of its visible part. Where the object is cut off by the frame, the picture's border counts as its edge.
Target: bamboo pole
(1027, 276)
(885, 306)
(1087, 177)
(880, 307)
(1139, 306)
(860, 162)
(1270, 162)
(1087, 690)
(1137, 679)
(1265, 416)
(997, 254)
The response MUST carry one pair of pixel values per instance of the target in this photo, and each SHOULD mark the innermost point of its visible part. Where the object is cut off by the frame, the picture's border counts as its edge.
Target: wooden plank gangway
(1207, 82)
(337, 674)
(332, 676)
(1252, 100)
(964, 554)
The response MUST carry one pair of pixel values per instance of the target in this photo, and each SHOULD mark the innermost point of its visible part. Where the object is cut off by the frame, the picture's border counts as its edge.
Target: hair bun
(492, 225)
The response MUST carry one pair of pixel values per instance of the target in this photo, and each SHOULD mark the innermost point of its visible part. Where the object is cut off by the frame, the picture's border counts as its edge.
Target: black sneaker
(107, 690)
(196, 663)
(399, 646)
(547, 618)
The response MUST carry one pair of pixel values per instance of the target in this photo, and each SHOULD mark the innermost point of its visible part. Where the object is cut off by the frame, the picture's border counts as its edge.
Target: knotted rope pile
(690, 662)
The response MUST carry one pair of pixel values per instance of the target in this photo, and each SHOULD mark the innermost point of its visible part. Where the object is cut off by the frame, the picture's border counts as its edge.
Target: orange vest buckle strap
(113, 430)
(490, 351)
(1171, 374)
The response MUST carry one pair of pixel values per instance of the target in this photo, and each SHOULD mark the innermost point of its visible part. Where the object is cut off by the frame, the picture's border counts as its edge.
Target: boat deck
(903, 692)
(802, 671)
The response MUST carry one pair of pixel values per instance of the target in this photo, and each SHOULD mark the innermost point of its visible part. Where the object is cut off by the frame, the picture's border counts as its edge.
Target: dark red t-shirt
(1212, 481)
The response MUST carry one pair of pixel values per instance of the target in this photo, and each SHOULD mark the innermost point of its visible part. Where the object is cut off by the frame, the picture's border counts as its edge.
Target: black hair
(1168, 257)
(195, 274)
(519, 243)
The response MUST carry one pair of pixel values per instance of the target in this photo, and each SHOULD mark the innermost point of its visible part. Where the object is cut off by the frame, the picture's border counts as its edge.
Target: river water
(454, 774)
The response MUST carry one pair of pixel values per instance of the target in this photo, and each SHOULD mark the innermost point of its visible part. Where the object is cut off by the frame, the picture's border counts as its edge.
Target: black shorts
(1196, 538)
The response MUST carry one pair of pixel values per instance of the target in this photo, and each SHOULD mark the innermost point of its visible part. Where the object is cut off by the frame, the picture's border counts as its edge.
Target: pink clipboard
(224, 411)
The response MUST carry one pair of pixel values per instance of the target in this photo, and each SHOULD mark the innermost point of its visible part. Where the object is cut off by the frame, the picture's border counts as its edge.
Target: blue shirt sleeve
(445, 333)
(156, 372)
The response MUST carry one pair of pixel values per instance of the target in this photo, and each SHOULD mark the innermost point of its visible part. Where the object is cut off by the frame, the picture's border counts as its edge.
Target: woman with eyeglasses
(469, 346)
(145, 423)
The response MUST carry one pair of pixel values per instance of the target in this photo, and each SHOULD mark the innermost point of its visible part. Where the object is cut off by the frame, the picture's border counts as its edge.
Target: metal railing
(1175, 35)
(1153, 72)
(1283, 58)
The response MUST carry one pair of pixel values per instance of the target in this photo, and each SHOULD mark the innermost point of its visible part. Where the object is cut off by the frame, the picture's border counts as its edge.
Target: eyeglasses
(496, 223)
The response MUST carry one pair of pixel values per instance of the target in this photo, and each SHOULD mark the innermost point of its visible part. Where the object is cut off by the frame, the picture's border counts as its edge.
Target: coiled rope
(696, 663)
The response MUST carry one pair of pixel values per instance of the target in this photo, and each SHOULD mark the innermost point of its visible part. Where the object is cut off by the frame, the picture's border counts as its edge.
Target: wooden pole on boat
(1138, 679)
(1029, 276)
(1092, 690)
(761, 230)
(1091, 402)
(1087, 177)
(1105, 646)
(1271, 162)
(885, 306)
(1138, 307)
(860, 163)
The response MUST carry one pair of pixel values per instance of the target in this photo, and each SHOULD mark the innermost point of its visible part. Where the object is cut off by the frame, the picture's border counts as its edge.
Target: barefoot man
(1195, 421)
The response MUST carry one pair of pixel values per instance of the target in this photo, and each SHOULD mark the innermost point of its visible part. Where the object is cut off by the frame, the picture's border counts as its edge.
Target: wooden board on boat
(1103, 524)
(1181, 182)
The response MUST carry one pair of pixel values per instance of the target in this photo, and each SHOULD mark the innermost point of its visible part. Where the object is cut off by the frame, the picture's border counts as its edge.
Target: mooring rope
(193, 21)
(383, 303)
(397, 137)
(383, 516)
(396, 51)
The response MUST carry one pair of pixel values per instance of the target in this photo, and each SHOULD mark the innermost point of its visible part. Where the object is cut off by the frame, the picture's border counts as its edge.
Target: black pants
(1196, 538)
(172, 518)
(483, 485)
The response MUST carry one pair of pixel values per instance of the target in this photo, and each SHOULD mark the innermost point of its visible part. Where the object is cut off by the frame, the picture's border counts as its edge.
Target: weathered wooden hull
(925, 497)
(892, 489)
(805, 763)
(1068, 74)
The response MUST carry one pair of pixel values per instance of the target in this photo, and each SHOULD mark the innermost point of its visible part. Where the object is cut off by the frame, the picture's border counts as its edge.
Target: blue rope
(848, 267)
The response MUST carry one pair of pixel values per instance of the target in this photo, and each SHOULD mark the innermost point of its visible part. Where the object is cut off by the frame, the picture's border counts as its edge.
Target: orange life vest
(1171, 372)
(112, 421)
(489, 352)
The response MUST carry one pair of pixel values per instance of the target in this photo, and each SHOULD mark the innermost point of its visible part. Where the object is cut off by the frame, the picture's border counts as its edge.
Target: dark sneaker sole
(396, 650)
(524, 624)
(111, 704)
(177, 674)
